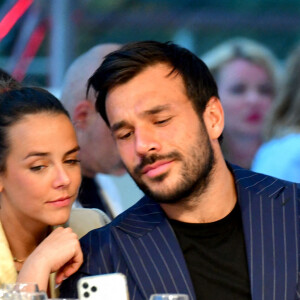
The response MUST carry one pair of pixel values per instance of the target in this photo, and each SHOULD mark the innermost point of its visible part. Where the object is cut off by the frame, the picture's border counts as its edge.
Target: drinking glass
(169, 297)
(19, 291)
(2, 293)
(28, 287)
(32, 296)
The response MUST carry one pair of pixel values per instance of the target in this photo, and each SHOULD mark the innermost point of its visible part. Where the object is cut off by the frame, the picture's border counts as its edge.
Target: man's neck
(216, 202)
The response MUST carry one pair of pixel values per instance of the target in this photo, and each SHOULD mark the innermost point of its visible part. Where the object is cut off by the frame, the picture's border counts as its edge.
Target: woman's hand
(60, 252)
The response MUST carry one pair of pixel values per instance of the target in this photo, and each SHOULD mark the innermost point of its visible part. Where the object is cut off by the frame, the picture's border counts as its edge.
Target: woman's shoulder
(83, 220)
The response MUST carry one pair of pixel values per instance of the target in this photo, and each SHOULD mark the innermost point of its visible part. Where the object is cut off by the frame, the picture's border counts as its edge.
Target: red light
(30, 51)
(13, 16)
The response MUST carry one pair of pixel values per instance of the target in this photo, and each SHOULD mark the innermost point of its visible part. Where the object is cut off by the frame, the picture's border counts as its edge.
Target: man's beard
(194, 175)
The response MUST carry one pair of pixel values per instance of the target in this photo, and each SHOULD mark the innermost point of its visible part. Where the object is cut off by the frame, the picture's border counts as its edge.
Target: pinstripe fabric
(270, 213)
(141, 244)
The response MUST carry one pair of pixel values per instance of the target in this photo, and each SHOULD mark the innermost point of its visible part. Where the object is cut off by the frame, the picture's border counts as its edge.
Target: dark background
(70, 27)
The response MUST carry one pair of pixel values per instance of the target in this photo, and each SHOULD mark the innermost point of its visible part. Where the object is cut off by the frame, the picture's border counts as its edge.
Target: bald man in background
(98, 152)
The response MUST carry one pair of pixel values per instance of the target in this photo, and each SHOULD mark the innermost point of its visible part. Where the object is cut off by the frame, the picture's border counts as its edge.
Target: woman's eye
(265, 90)
(238, 89)
(37, 168)
(72, 161)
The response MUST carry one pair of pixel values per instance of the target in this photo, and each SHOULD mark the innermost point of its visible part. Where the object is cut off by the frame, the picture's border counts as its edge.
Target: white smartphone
(111, 286)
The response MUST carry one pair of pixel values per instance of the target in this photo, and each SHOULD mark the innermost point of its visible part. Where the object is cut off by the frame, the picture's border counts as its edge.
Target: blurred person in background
(98, 152)
(280, 154)
(246, 74)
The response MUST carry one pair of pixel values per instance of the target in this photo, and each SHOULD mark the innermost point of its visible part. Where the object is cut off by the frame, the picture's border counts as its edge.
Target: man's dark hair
(122, 65)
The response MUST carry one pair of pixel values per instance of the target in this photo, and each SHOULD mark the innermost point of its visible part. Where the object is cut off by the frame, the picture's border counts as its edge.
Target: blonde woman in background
(246, 74)
(280, 155)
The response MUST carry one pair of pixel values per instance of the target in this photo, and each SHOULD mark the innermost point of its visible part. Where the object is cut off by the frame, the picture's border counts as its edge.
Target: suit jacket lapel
(271, 232)
(152, 252)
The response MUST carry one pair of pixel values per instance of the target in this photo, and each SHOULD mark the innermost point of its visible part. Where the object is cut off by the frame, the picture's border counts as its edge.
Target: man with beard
(205, 228)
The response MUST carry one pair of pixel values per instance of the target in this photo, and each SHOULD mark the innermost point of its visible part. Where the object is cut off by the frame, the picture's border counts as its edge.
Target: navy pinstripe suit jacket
(141, 244)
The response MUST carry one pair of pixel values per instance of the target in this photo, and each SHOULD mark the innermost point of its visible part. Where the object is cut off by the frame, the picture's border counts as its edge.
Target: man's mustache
(150, 159)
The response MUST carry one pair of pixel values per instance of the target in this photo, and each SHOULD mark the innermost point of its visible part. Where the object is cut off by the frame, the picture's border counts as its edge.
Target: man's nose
(146, 141)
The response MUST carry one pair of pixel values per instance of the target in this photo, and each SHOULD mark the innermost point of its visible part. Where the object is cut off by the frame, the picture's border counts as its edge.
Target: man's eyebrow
(155, 110)
(43, 154)
(118, 126)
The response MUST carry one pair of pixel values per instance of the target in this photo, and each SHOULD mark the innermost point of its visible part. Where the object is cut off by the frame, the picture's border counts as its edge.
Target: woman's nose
(62, 178)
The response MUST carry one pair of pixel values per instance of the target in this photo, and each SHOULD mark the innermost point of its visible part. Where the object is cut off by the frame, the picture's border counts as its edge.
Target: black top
(89, 195)
(215, 255)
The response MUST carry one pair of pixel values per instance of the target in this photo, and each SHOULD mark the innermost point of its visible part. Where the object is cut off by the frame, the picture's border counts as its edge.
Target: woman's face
(246, 92)
(42, 173)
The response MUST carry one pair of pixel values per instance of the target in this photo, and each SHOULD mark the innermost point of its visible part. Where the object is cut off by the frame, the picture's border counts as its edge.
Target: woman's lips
(61, 202)
(254, 118)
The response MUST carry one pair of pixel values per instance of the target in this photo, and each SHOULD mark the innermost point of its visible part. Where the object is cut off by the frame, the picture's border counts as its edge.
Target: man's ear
(82, 111)
(213, 117)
